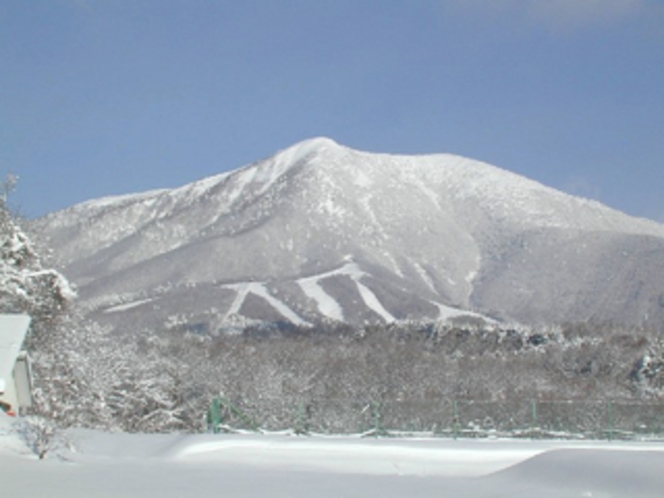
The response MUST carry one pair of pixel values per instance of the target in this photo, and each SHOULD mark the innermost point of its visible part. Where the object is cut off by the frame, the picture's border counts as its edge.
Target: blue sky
(105, 97)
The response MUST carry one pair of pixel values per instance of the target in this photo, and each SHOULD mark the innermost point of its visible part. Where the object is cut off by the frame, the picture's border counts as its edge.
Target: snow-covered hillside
(320, 231)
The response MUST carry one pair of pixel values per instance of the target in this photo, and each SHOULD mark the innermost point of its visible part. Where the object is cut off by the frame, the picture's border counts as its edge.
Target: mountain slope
(321, 231)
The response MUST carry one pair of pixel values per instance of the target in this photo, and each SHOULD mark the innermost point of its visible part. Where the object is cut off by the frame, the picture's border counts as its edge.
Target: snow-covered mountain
(320, 231)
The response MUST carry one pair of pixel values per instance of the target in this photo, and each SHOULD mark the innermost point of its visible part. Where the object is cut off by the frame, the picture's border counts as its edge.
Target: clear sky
(105, 97)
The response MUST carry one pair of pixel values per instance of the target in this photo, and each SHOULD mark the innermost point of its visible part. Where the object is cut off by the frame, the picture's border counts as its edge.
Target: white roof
(13, 329)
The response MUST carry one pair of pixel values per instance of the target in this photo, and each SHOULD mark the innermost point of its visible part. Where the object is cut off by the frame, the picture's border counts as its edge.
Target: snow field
(277, 465)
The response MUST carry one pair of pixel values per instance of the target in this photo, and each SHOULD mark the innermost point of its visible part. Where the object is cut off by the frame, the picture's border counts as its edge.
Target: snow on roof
(13, 329)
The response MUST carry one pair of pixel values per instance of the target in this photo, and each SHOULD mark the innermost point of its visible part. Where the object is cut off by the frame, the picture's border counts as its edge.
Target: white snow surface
(446, 312)
(128, 306)
(327, 304)
(259, 289)
(278, 465)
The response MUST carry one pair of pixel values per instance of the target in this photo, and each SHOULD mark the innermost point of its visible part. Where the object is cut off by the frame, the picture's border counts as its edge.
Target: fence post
(378, 424)
(533, 408)
(214, 415)
(302, 423)
(455, 427)
(609, 416)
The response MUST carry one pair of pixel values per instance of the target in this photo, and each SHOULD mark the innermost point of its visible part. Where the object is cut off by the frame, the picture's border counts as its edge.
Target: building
(15, 376)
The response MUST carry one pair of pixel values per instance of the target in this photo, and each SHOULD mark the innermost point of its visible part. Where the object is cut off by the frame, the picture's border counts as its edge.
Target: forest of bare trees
(165, 381)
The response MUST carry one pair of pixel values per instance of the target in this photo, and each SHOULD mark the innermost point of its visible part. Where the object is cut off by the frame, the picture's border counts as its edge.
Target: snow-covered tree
(25, 285)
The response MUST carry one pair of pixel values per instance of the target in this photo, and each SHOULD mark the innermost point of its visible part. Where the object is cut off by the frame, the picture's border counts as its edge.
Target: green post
(455, 427)
(609, 418)
(534, 415)
(214, 415)
(378, 424)
(302, 424)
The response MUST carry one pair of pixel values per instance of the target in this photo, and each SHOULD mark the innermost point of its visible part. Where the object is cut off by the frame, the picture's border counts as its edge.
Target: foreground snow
(165, 466)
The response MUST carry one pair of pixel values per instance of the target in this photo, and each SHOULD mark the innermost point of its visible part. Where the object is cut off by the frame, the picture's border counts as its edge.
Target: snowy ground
(170, 466)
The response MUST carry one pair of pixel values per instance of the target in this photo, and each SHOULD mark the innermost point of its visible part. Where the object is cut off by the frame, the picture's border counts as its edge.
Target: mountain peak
(308, 147)
(316, 143)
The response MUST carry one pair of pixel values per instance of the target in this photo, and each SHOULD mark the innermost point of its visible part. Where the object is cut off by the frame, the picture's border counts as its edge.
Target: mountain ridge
(426, 233)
